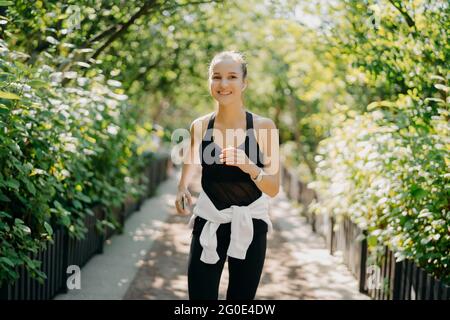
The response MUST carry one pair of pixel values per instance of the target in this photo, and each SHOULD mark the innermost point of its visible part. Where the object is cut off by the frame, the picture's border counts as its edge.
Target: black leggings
(244, 275)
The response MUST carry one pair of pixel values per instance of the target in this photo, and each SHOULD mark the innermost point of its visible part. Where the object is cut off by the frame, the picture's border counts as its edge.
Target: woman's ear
(244, 84)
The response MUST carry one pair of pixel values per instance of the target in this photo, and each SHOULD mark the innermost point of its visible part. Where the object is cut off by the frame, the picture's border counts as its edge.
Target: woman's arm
(268, 140)
(190, 162)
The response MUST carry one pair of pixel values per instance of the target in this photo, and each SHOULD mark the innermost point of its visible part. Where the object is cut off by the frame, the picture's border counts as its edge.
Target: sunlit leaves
(8, 96)
(54, 140)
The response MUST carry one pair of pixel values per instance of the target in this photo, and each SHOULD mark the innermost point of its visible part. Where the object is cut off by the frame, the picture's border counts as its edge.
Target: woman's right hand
(178, 202)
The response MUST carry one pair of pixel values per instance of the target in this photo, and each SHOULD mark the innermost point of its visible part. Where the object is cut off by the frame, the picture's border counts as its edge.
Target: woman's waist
(226, 176)
(224, 229)
(224, 196)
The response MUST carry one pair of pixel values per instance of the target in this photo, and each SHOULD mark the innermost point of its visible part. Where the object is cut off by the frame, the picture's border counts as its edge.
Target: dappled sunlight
(123, 282)
(297, 266)
(98, 102)
(162, 273)
(290, 220)
(146, 232)
(305, 270)
(169, 200)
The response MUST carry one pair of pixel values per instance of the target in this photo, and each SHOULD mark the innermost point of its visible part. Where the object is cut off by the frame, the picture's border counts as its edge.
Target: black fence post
(445, 295)
(436, 289)
(397, 281)
(4, 291)
(363, 265)
(99, 235)
(65, 261)
(331, 234)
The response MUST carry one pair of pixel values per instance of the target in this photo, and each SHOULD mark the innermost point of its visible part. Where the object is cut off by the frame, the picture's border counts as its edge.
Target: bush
(63, 151)
(388, 170)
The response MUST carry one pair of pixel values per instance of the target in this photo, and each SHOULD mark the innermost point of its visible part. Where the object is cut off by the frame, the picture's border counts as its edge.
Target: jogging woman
(239, 155)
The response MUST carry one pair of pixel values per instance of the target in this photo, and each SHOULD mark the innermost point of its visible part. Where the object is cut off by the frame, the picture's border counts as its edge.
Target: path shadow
(297, 264)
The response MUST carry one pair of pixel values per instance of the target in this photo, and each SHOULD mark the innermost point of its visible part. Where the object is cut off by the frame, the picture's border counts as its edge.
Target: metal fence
(378, 273)
(66, 251)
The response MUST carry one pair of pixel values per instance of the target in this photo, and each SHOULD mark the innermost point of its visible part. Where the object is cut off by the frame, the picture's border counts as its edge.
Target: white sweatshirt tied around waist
(241, 225)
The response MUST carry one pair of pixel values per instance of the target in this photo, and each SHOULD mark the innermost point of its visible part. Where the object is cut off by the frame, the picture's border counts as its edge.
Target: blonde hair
(235, 55)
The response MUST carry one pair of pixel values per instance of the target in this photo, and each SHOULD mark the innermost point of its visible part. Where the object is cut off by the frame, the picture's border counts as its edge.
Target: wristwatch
(258, 178)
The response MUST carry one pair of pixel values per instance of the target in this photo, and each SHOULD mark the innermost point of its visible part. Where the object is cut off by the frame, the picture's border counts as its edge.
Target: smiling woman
(239, 172)
(228, 76)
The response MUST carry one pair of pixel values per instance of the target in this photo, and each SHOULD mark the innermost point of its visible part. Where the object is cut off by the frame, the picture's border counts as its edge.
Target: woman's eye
(232, 77)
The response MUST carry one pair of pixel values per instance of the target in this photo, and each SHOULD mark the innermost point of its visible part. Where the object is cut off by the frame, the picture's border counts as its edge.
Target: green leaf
(12, 183)
(35, 83)
(9, 95)
(12, 273)
(83, 198)
(435, 100)
(58, 205)
(425, 240)
(16, 149)
(48, 228)
(36, 171)
(436, 77)
(378, 104)
(418, 193)
(77, 204)
(65, 220)
(32, 264)
(6, 3)
(7, 261)
(4, 198)
(4, 109)
(371, 241)
(5, 75)
(5, 214)
(442, 87)
(30, 186)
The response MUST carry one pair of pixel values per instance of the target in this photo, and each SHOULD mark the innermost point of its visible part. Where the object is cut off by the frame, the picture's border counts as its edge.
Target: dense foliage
(358, 89)
(386, 164)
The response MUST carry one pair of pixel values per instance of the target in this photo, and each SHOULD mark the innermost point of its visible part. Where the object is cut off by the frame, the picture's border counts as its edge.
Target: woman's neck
(230, 115)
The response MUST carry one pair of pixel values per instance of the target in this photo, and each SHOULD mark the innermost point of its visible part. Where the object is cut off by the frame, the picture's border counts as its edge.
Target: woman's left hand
(236, 157)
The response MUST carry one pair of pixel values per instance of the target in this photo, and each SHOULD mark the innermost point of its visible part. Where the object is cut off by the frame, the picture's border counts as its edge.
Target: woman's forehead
(227, 65)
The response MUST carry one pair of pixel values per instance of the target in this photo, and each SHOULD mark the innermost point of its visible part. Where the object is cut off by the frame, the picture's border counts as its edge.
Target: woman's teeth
(224, 93)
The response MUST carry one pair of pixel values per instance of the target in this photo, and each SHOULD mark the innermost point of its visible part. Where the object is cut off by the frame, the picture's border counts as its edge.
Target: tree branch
(102, 34)
(411, 23)
(122, 28)
(144, 10)
(190, 4)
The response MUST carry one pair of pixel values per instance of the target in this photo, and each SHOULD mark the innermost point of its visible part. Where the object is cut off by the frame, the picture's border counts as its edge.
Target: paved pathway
(149, 261)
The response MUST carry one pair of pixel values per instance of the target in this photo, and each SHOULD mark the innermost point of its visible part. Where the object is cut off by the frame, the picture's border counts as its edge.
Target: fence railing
(378, 274)
(66, 251)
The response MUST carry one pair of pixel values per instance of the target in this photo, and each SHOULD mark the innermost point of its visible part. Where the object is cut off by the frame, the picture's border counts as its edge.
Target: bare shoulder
(263, 131)
(200, 124)
(260, 122)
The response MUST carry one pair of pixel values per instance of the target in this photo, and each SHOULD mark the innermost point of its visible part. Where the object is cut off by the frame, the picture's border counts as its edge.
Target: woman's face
(225, 81)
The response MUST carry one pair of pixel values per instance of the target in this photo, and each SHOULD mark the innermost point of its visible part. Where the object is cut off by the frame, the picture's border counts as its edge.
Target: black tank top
(228, 185)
